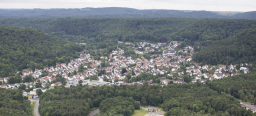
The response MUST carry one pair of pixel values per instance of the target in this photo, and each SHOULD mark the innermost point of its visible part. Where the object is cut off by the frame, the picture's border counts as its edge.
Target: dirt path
(36, 113)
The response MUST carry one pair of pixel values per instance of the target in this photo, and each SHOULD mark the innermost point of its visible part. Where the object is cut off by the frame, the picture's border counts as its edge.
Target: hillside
(28, 48)
(12, 103)
(238, 48)
(101, 31)
(187, 99)
(116, 12)
(206, 31)
(240, 86)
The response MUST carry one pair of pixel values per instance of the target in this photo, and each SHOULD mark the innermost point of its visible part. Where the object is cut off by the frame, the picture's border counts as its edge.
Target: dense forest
(118, 106)
(119, 12)
(23, 48)
(103, 33)
(241, 86)
(239, 48)
(193, 99)
(12, 103)
(100, 32)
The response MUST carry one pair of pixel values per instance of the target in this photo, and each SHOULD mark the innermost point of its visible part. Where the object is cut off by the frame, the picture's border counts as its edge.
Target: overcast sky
(209, 5)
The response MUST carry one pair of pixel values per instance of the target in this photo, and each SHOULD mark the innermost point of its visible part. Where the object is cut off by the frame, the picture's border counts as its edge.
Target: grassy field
(32, 106)
(249, 103)
(140, 112)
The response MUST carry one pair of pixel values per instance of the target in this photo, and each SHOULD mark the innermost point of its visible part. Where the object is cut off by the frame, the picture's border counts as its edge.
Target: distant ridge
(119, 12)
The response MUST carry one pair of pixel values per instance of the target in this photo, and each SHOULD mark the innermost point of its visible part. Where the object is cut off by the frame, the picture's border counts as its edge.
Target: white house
(218, 75)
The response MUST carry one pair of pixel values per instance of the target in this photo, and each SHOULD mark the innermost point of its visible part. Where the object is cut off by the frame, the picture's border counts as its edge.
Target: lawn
(32, 106)
(140, 112)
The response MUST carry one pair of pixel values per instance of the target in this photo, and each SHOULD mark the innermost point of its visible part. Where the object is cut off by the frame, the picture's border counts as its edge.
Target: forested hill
(236, 49)
(177, 100)
(22, 48)
(12, 103)
(117, 12)
(193, 31)
(207, 31)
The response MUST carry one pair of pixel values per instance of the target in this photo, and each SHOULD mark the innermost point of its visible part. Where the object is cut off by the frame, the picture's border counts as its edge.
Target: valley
(118, 65)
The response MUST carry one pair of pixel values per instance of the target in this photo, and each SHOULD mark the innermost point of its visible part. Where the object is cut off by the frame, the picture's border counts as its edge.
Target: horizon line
(116, 7)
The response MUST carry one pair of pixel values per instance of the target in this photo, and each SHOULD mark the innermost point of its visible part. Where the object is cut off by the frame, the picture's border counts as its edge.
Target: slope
(12, 103)
(235, 49)
(101, 32)
(28, 48)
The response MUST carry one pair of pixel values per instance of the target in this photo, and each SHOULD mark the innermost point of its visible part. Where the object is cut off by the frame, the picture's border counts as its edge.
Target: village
(171, 67)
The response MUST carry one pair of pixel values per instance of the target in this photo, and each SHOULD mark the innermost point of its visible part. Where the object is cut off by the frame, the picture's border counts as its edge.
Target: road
(36, 113)
(94, 112)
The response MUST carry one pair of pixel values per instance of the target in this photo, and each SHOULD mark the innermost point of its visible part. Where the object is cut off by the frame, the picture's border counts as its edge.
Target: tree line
(175, 99)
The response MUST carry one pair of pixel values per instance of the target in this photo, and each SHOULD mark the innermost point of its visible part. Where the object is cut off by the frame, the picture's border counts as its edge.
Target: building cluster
(167, 65)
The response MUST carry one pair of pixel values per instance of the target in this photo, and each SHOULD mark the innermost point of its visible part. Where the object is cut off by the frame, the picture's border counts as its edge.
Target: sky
(208, 5)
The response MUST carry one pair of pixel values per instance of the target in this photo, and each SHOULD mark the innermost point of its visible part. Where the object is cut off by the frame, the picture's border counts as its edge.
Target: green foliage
(15, 79)
(118, 106)
(38, 85)
(39, 92)
(81, 68)
(236, 49)
(59, 78)
(12, 103)
(23, 48)
(241, 86)
(188, 99)
(28, 78)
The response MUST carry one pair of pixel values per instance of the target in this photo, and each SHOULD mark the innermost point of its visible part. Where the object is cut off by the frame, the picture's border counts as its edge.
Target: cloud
(210, 5)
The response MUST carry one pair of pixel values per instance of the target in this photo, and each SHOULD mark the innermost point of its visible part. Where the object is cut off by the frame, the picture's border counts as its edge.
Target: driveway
(36, 113)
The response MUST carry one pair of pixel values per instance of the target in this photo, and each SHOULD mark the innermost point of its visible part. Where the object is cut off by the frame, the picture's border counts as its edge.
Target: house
(198, 78)
(211, 78)
(2, 80)
(58, 83)
(194, 81)
(178, 81)
(3, 86)
(33, 92)
(226, 75)
(206, 75)
(218, 75)
(24, 93)
(36, 74)
(52, 79)
(247, 107)
(6, 79)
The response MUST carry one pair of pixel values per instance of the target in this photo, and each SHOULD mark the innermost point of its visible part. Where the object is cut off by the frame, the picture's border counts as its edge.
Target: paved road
(94, 112)
(36, 113)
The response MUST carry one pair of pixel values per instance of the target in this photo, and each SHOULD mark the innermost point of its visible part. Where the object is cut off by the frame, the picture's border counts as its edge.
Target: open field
(140, 112)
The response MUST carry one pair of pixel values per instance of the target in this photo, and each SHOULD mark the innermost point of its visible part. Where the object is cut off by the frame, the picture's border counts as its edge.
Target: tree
(75, 72)
(124, 70)
(22, 87)
(38, 85)
(158, 81)
(133, 72)
(80, 82)
(39, 92)
(170, 82)
(81, 68)
(28, 78)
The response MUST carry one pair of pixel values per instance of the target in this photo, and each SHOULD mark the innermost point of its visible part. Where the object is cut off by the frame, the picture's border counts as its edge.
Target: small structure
(247, 107)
